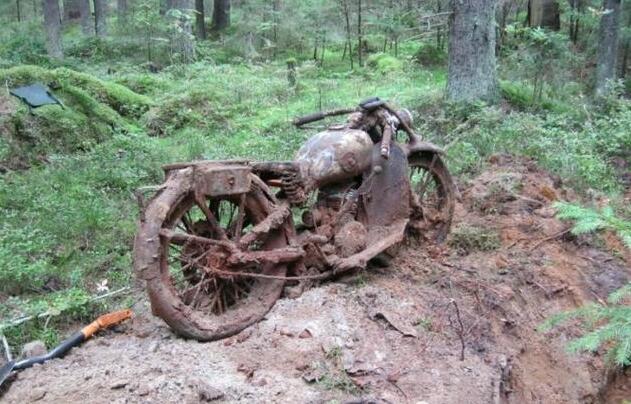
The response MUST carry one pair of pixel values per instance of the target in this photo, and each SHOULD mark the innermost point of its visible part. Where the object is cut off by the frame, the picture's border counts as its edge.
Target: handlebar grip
(309, 118)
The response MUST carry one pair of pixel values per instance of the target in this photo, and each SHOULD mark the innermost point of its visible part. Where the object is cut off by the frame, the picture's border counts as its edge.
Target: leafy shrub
(384, 63)
(538, 56)
(430, 56)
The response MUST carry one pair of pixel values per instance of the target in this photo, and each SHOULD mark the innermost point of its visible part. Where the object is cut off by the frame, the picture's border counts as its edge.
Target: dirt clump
(388, 335)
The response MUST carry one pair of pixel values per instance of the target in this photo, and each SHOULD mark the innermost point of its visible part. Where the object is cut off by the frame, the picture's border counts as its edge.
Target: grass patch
(467, 239)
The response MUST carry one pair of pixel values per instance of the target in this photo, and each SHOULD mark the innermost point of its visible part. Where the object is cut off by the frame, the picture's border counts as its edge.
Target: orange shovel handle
(105, 321)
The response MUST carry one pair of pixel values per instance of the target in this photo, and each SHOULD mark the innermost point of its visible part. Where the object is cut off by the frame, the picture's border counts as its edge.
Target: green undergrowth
(579, 144)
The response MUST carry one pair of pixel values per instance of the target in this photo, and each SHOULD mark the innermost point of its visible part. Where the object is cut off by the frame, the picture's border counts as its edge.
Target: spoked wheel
(435, 196)
(187, 261)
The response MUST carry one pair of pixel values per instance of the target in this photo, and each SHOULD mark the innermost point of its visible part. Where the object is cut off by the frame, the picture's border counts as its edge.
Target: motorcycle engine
(334, 216)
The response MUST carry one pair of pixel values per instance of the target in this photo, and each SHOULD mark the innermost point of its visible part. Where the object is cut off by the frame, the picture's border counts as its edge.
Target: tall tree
(607, 45)
(85, 13)
(576, 8)
(346, 10)
(100, 17)
(72, 10)
(182, 38)
(221, 15)
(121, 11)
(544, 13)
(360, 36)
(471, 72)
(626, 46)
(52, 25)
(200, 16)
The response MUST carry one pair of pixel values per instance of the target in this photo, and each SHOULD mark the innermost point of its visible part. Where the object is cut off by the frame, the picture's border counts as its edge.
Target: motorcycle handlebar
(309, 118)
(321, 115)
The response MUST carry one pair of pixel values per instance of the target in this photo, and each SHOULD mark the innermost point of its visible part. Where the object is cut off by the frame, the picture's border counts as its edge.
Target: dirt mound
(443, 324)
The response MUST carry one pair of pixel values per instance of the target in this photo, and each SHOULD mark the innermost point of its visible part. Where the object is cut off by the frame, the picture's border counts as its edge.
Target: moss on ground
(93, 110)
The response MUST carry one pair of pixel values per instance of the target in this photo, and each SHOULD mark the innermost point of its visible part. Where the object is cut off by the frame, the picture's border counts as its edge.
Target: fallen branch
(460, 330)
(552, 237)
(52, 312)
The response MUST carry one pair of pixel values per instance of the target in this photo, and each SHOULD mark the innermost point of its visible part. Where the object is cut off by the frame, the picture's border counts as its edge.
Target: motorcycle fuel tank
(334, 155)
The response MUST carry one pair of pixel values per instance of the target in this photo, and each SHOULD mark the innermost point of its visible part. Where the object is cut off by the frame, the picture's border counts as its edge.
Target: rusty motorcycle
(220, 241)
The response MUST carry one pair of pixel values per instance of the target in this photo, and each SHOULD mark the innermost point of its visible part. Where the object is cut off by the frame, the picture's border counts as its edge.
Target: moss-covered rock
(93, 110)
(115, 96)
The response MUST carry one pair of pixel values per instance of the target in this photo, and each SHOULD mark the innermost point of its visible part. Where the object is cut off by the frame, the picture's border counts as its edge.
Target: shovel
(75, 339)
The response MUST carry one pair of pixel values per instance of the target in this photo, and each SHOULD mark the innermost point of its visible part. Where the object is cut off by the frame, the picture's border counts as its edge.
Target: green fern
(606, 326)
(588, 220)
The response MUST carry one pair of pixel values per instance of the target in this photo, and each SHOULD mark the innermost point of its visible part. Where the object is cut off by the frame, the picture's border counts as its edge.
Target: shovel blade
(5, 371)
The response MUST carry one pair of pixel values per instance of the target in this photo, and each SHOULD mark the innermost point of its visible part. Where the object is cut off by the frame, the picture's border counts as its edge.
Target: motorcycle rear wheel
(195, 301)
(433, 187)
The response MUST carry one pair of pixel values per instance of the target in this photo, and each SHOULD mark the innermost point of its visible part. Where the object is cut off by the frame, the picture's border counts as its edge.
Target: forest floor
(389, 335)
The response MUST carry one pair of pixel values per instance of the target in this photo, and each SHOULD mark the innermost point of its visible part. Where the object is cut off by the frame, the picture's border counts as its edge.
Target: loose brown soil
(389, 335)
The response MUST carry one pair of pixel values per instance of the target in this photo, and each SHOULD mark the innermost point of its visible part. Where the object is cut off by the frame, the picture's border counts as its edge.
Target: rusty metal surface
(387, 194)
(334, 155)
(217, 242)
(222, 179)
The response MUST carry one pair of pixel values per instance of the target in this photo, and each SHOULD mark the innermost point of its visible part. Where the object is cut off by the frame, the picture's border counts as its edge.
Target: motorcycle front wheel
(178, 252)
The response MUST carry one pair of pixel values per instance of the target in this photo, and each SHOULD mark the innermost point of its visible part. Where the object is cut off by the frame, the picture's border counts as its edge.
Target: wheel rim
(433, 192)
(192, 268)
(197, 273)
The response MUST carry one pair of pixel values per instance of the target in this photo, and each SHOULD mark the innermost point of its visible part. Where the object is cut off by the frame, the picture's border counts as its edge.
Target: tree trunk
(576, 8)
(18, 9)
(471, 72)
(100, 18)
(72, 10)
(607, 46)
(221, 15)
(121, 11)
(52, 26)
(626, 48)
(200, 23)
(275, 22)
(360, 37)
(87, 22)
(347, 20)
(502, 17)
(544, 13)
(183, 42)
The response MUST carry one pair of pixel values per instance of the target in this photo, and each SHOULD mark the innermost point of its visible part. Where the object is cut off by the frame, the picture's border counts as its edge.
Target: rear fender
(423, 147)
